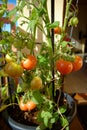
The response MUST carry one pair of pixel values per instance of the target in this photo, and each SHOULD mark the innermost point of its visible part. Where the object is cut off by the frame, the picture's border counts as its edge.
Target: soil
(28, 118)
(21, 116)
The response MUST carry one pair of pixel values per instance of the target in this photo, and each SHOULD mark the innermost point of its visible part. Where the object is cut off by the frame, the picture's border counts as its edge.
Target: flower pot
(18, 126)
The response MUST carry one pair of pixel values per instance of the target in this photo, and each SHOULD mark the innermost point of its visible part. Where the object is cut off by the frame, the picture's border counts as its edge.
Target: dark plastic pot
(17, 126)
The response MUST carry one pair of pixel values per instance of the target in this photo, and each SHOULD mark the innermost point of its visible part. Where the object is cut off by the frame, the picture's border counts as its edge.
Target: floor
(76, 82)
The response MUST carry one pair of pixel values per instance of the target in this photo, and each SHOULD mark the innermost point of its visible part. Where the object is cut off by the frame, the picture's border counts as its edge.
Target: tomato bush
(13, 69)
(64, 67)
(29, 63)
(78, 63)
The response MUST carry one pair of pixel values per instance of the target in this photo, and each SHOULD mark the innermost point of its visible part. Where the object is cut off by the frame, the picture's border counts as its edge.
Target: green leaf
(12, 12)
(37, 97)
(64, 43)
(55, 117)
(22, 4)
(46, 115)
(54, 24)
(64, 122)
(63, 109)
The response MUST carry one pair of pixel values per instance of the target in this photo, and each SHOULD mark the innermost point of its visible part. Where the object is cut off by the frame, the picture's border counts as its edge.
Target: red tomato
(77, 64)
(64, 67)
(13, 69)
(23, 106)
(57, 30)
(29, 63)
(31, 105)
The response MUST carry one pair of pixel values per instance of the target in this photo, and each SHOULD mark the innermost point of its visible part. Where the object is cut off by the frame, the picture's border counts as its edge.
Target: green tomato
(73, 21)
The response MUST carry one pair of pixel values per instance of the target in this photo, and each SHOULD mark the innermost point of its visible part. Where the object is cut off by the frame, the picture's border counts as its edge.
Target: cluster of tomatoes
(66, 67)
(15, 70)
(27, 106)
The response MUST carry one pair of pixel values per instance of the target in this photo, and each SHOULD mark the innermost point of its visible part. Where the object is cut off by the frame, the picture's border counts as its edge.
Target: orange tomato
(31, 105)
(29, 63)
(77, 64)
(57, 30)
(22, 105)
(64, 67)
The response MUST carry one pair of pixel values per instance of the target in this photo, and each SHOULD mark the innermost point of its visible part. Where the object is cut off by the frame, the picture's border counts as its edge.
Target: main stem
(52, 20)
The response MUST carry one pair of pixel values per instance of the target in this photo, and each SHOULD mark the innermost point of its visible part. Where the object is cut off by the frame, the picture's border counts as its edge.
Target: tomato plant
(36, 83)
(57, 30)
(29, 63)
(22, 105)
(64, 67)
(77, 64)
(13, 69)
(30, 105)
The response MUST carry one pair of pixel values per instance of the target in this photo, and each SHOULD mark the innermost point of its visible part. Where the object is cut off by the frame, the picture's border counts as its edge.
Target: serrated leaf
(55, 117)
(64, 122)
(37, 97)
(46, 115)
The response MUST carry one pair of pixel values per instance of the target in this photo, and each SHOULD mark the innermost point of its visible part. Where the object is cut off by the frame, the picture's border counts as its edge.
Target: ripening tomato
(57, 30)
(13, 69)
(31, 105)
(23, 106)
(64, 67)
(77, 64)
(36, 83)
(29, 63)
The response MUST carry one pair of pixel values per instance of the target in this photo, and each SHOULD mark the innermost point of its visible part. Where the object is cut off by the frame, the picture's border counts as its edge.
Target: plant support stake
(52, 20)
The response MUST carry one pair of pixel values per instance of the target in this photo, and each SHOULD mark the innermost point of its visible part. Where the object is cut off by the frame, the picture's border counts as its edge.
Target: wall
(80, 31)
